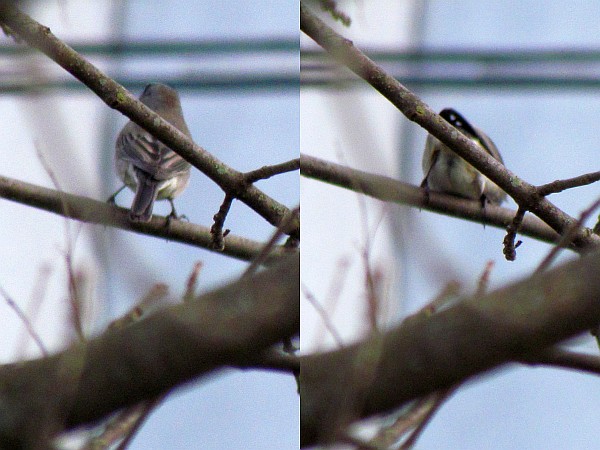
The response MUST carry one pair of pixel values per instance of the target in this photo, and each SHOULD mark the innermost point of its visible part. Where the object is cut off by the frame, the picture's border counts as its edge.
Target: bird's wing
(147, 153)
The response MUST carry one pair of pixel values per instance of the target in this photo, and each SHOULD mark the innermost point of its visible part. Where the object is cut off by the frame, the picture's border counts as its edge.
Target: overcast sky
(75, 132)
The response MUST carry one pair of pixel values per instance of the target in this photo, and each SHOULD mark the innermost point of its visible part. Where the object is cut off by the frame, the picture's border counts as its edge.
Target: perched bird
(147, 166)
(447, 172)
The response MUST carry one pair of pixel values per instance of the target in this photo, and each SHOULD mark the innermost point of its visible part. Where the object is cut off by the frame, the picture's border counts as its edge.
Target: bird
(447, 172)
(147, 166)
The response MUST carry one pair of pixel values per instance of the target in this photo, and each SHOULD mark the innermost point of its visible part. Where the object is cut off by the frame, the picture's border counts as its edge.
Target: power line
(519, 69)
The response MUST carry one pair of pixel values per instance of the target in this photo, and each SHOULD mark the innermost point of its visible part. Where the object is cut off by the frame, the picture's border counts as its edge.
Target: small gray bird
(447, 172)
(147, 166)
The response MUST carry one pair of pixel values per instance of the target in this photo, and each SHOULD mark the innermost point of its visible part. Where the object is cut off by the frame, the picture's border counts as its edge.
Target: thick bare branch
(425, 354)
(93, 211)
(388, 189)
(231, 326)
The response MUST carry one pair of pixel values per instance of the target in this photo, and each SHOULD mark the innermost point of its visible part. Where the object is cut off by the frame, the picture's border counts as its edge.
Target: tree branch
(561, 185)
(389, 189)
(269, 171)
(117, 97)
(425, 354)
(559, 357)
(93, 211)
(525, 194)
(227, 327)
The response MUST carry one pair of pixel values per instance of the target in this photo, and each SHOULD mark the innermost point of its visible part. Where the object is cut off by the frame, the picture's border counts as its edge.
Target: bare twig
(268, 247)
(407, 420)
(122, 427)
(191, 285)
(137, 417)
(324, 316)
(484, 279)
(561, 185)
(269, 171)
(567, 237)
(388, 189)
(373, 277)
(126, 423)
(93, 211)
(420, 413)
(34, 307)
(73, 281)
(28, 325)
(512, 229)
(216, 230)
(437, 400)
(154, 296)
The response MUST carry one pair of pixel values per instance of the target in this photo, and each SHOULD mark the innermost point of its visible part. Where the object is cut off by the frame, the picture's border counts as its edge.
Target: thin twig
(75, 300)
(268, 247)
(567, 238)
(34, 307)
(216, 230)
(410, 417)
(324, 316)
(438, 400)
(153, 297)
(484, 280)
(122, 427)
(192, 283)
(28, 325)
(425, 408)
(373, 300)
(561, 185)
(126, 424)
(372, 277)
(140, 415)
(512, 229)
(269, 171)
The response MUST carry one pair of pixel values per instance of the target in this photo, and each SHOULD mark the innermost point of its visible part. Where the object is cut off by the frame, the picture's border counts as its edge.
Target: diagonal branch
(269, 171)
(561, 185)
(389, 189)
(117, 97)
(525, 194)
(93, 211)
(428, 353)
(231, 326)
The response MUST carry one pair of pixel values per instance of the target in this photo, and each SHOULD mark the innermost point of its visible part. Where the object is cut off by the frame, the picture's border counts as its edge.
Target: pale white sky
(76, 132)
(543, 136)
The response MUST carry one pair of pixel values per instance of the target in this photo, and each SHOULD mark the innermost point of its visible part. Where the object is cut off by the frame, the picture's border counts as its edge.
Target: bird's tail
(145, 195)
